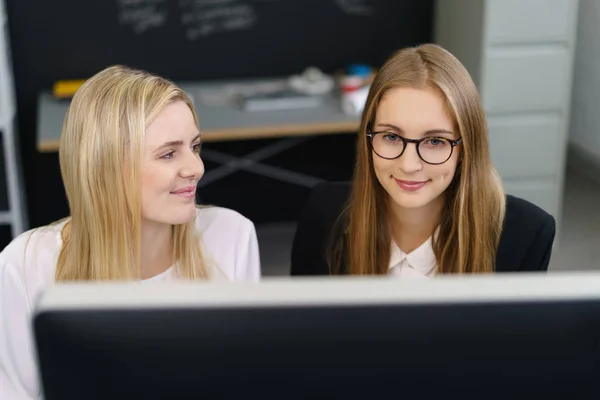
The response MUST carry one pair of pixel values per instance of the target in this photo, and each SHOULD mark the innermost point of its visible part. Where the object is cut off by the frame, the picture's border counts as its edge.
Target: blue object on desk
(361, 70)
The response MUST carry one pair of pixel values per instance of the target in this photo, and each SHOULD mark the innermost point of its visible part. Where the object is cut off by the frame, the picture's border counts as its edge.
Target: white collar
(422, 259)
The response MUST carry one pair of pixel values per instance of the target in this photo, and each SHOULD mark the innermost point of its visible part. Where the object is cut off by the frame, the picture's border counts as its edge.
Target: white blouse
(28, 265)
(418, 264)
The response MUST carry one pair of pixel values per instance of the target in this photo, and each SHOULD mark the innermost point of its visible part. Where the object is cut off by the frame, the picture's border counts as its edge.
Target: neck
(410, 228)
(156, 250)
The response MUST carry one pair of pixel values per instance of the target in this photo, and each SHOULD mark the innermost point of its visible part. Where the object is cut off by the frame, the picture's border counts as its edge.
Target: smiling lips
(188, 192)
(410, 186)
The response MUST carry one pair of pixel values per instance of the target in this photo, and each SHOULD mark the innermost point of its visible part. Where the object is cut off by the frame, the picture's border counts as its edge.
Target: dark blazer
(525, 243)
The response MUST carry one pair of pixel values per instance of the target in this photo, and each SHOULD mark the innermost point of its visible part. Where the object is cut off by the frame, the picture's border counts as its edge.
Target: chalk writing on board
(184, 3)
(142, 15)
(201, 18)
(356, 7)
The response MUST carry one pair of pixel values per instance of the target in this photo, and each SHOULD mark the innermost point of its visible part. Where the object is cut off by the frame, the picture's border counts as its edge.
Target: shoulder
(219, 226)
(328, 199)
(230, 241)
(325, 205)
(40, 244)
(523, 217)
(316, 228)
(220, 219)
(28, 262)
(527, 237)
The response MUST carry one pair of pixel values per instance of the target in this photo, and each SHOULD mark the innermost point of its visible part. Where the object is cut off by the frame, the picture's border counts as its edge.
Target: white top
(418, 264)
(229, 241)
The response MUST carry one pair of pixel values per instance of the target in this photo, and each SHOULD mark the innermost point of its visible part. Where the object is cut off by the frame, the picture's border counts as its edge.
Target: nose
(410, 162)
(192, 166)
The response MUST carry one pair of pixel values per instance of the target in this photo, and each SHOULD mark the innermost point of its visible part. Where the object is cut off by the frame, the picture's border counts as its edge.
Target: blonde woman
(130, 162)
(425, 199)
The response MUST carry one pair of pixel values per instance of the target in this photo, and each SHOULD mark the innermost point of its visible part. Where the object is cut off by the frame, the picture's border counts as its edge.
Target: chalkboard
(207, 39)
(192, 40)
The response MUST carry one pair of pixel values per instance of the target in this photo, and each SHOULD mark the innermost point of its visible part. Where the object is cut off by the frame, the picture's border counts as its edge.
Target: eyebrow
(426, 133)
(175, 143)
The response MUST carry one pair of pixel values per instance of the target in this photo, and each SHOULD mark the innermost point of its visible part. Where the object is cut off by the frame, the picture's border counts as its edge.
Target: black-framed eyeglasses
(432, 150)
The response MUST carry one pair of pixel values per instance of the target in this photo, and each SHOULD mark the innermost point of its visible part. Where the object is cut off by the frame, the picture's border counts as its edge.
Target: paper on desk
(228, 94)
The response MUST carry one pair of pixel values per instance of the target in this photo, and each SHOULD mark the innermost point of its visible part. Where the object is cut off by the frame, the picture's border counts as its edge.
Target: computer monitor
(496, 336)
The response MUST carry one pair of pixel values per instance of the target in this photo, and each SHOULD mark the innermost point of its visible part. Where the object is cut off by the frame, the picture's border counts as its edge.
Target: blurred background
(535, 63)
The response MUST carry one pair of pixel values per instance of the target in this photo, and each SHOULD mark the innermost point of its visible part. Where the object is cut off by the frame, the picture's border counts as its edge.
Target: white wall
(584, 133)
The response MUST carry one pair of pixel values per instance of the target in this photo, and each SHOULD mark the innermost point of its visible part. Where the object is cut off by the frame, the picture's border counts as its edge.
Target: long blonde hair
(100, 157)
(473, 215)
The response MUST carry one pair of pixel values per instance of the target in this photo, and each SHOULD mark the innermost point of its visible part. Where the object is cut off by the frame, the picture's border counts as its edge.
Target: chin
(411, 202)
(180, 217)
(187, 217)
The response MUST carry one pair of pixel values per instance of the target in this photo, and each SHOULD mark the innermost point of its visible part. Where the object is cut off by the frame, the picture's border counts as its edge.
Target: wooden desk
(224, 122)
(221, 122)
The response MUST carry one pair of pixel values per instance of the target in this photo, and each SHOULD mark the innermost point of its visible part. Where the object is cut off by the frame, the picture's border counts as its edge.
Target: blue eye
(168, 156)
(435, 142)
(392, 137)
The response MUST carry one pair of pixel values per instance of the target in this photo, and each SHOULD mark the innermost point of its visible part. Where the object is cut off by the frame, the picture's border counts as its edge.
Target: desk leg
(251, 162)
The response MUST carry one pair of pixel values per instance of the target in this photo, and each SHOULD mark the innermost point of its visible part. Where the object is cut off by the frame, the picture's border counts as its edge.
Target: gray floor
(578, 247)
(275, 241)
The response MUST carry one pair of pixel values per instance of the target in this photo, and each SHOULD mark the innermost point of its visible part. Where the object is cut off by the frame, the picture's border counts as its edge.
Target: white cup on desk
(353, 94)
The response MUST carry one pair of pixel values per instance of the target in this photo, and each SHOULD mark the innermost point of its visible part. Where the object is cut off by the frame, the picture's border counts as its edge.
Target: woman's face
(411, 113)
(171, 166)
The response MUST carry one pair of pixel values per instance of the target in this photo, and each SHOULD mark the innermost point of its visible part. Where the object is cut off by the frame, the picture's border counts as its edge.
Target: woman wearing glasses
(425, 199)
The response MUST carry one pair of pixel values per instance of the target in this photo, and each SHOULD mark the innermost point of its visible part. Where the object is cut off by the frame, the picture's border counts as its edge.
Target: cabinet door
(525, 79)
(528, 146)
(529, 21)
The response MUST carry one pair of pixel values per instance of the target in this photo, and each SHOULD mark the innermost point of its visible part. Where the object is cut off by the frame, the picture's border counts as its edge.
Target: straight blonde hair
(100, 161)
(473, 215)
